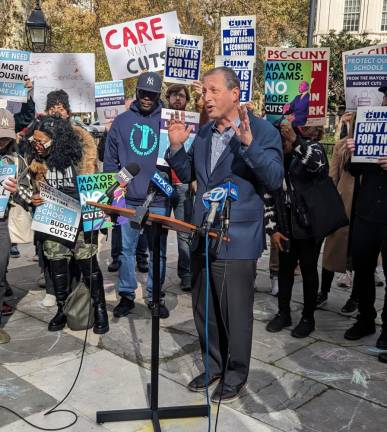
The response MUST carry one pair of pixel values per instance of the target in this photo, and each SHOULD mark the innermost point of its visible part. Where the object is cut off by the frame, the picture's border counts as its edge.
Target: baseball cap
(7, 124)
(149, 81)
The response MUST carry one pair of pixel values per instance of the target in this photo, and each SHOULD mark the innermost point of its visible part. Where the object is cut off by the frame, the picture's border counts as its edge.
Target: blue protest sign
(238, 35)
(109, 100)
(14, 67)
(6, 171)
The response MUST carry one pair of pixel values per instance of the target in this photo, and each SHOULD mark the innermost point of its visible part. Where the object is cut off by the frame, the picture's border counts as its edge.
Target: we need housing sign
(238, 35)
(370, 134)
(243, 66)
(6, 171)
(14, 66)
(58, 216)
(183, 58)
(109, 100)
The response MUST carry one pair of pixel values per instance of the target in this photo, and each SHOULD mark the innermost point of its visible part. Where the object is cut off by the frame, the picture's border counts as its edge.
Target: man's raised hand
(178, 131)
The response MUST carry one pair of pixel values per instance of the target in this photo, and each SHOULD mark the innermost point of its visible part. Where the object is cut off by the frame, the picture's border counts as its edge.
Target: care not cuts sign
(370, 134)
(238, 35)
(137, 46)
(243, 66)
(14, 66)
(183, 58)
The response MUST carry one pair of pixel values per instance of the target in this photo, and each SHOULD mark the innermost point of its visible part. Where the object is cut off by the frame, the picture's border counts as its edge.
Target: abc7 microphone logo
(216, 194)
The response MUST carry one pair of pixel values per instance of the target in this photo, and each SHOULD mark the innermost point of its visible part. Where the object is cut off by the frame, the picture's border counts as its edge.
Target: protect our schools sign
(59, 216)
(183, 58)
(364, 74)
(243, 66)
(109, 100)
(370, 134)
(14, 67)
(139, 45)
(238, 35)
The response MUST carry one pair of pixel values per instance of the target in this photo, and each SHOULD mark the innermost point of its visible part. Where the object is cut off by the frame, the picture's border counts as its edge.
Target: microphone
(232, 194)
(214, 201)
(124, 177)
(158, 185)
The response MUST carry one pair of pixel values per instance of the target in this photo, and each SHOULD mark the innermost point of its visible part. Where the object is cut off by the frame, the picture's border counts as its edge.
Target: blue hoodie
(134, 138)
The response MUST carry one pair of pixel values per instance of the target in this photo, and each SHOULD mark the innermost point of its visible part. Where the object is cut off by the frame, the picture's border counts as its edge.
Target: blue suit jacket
(254, 170)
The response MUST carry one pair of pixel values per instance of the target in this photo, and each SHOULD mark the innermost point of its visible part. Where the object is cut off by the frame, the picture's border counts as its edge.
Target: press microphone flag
(159, 179)
(214, 201)
(124, 177)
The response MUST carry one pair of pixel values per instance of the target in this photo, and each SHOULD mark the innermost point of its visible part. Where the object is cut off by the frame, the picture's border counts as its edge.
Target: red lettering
(109, 34)
(155, 28)
(129, 35)
(141, 28)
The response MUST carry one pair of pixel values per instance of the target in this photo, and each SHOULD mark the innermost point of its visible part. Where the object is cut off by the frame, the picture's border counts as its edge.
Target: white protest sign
(139, 45)
(183, 58)
(237, 35)
(59, 216)
(243, 66)
(14, 69)
(370, 134)
(73, 73)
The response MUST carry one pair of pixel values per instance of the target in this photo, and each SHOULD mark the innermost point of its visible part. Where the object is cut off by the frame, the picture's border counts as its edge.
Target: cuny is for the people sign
(139, 45)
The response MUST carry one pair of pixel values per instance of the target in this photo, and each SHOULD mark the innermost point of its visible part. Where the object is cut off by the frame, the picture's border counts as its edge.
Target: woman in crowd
(293, 228)
(57, 155)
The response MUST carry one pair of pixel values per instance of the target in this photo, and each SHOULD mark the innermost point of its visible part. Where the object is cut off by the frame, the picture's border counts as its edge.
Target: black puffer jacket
(285, 209)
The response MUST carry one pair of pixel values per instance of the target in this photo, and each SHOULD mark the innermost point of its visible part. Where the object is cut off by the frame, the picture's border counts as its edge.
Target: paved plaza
(319, 384)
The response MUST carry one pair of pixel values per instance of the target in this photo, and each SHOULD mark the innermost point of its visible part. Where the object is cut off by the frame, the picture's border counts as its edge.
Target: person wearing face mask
(56, 158)
(134, 137)
(21, 193)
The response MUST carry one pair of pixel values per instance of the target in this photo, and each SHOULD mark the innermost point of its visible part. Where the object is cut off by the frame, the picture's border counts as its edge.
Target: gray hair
(230, 76)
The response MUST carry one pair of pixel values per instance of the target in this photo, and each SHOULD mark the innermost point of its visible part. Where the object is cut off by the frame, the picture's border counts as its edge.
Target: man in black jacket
(368, 241)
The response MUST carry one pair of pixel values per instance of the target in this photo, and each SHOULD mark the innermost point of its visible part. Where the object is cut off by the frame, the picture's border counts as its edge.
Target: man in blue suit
(239, 147)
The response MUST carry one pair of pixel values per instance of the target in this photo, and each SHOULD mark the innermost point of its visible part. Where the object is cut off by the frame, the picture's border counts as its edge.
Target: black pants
(305, 253)
(116, 242)
(369, 239)
(230, 324)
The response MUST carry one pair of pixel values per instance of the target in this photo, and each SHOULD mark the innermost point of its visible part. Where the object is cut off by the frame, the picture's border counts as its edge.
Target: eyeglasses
(37, 143)
(176, 95)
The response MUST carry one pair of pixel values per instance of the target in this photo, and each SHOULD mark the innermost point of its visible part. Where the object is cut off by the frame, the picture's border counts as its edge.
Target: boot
(60, 280)
(94, 281)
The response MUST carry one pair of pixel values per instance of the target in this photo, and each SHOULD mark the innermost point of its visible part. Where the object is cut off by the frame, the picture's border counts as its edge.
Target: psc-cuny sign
(183, 58)
(370, 134)
(14, 66)
(238, 35)
(243, 66)
(58, 216)
(137, 46)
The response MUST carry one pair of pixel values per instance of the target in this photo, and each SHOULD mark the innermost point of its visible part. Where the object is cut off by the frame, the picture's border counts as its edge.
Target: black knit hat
(58, 97)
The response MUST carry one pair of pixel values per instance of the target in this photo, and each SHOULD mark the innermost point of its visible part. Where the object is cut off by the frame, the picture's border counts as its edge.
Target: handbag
(79, 308)
(325, 207)
(19, 225)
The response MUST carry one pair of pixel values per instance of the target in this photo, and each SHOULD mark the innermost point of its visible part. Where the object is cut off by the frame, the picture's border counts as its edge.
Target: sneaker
(14, 251)
(8, 290)
(163, 310)
(344, 280)
(381, 343)
(4, 337)
(7, 309)
(279, 322)
(359, 330)
(185, 284)
(198, 384)
(274, 286)
(114, 266)
(304, 328)
(123, 308)
(322, 299)
(350, 307)
(226, 393)
(49, 300)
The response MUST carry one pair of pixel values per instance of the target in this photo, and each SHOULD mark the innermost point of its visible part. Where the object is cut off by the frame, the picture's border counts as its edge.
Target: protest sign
(364, 74)
(374, 49)
(58, 216)
(243, 66)
(136, 46)
(370, 134)
(109, 100)
(6, 171)
(191, 119)
(238, 35)
(14, 69)
(296, 85)
(74, 73)
(183, 58)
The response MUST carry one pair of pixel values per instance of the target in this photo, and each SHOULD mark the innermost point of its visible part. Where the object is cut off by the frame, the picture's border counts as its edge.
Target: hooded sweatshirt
(134, 138)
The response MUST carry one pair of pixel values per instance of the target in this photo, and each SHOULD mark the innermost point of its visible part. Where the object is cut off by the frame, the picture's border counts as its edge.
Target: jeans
(116, 242)
(142, 248)
(127, 283)
(181, 194)
(5, 243)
